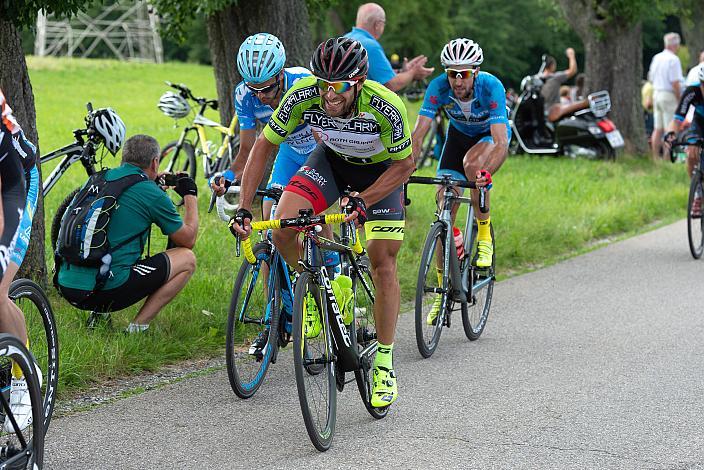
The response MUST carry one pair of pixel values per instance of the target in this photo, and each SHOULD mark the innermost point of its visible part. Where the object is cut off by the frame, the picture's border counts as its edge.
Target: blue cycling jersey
(487, 106)
(250, 109)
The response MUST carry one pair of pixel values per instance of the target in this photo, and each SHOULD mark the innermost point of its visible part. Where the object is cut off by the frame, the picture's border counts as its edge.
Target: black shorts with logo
(457, 144)
(146, 277)
(325, 175)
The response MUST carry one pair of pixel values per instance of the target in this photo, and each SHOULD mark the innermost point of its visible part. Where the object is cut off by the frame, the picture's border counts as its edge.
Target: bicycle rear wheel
(19, 448)
(43, 338)
(431, 291)
(476, 311)
(695, 223)
(178, 160)
(317, 392)
(255, 305)
(364, 334)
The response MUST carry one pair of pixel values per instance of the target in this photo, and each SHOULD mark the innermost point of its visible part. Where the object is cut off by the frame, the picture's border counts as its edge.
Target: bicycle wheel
(695, 223)
(255, 305)
(56, 222)
(431, 290)
(428, 149)
(476, 311)
(19, 448)
(364, 334)
(178, 160)
(43, 338)
(317, 392)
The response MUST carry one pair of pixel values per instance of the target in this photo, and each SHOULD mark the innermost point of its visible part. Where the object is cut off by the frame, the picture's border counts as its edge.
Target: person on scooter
(551, 89)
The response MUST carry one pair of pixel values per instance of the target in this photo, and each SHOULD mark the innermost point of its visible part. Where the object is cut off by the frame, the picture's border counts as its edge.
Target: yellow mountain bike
(181, 155)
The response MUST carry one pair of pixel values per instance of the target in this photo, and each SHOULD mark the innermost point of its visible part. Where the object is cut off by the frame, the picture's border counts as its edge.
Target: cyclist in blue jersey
(260, 61)
(692, 96)
(19, 190)
(478, 134)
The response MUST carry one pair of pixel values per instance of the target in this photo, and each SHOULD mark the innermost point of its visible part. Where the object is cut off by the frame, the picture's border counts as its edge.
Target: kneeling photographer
(105, 230)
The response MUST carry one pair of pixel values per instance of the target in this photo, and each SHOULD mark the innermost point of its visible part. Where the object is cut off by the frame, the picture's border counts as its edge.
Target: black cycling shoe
(259, 344)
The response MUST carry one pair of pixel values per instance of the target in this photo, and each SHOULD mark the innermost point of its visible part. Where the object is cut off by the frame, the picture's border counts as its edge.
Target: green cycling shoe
(434, 311)
(385, 389)
(311, 317)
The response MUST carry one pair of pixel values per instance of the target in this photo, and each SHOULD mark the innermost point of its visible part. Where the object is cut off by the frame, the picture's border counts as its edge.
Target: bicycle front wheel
(431, 291)
(20, 448)
(695, 221)
(43, 338)
(476, 311)
(255, 306)
(312, 351)
(364, 334)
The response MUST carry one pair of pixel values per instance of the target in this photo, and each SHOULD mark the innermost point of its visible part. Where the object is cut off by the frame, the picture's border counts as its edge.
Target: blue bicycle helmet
(261, 57)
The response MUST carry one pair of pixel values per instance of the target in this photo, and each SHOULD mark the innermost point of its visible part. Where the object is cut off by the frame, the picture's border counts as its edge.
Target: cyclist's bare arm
(389, 180)
(423, 124)
(247, 139)
(254, 170)
(499, 151)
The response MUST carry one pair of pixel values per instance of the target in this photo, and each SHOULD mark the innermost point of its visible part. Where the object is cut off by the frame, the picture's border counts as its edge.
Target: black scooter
(588, 132)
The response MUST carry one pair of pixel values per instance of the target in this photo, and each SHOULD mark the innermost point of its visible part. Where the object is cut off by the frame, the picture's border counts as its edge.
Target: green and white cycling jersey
(379, 131)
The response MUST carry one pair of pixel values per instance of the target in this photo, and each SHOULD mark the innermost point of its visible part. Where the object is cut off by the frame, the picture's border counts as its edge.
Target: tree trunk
(613, 61)
(693, 29)
(287, 19)
(14, 81)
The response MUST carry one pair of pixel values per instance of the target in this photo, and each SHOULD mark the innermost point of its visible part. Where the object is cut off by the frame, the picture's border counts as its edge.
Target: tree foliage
(23, 13)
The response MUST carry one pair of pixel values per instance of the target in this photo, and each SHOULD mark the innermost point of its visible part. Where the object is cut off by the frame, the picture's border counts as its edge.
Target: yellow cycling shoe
(434, 310)
(311, 317)
(485, 253)
(384, 390)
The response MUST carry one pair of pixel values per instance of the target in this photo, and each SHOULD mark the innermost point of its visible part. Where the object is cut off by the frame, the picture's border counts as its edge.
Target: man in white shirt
(693, 75)
(666, 76)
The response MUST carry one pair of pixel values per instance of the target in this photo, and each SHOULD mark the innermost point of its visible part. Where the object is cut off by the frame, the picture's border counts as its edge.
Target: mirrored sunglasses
(337, 87)
(463, 74)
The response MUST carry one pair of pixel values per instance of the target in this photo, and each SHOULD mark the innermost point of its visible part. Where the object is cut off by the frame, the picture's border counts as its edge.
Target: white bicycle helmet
(461, 52)
(110, 127)
(174, 105)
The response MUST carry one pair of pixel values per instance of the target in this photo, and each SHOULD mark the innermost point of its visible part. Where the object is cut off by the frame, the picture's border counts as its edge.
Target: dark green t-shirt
(141, 205)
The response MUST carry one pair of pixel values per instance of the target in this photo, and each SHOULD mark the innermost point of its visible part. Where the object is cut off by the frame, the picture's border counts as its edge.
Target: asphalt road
(592, 363)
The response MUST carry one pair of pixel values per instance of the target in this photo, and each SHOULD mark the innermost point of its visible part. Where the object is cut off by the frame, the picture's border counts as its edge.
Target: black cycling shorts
(325, 175)
(696, 129)
(457, 144)
(14, 196)
(146, 277)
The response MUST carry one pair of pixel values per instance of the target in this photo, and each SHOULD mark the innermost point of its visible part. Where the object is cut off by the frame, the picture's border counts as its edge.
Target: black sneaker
(259, 344)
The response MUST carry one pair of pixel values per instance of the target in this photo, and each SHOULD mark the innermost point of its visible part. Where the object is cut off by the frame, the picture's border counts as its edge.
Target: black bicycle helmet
(340, 59)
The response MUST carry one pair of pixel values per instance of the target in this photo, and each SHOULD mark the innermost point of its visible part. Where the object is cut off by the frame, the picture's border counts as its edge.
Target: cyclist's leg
(314, 186)
(384, 232)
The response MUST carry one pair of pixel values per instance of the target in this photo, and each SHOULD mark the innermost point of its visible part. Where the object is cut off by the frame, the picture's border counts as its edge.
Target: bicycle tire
(171, 154)
(30, 452)
(474, 324)
(43, 338)
(428, 147)
(364, 334)
(246, 372)
(695, 225)
(56, 222)
(428, 343)
(321, 432)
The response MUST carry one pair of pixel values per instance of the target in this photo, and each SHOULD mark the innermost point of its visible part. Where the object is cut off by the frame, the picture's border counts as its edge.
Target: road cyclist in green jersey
(477, 138)
(365, 144)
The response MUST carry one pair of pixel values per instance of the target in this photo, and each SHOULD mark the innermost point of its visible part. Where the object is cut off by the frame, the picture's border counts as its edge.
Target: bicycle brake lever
(238, 245)
(482, 200)
(213, 197)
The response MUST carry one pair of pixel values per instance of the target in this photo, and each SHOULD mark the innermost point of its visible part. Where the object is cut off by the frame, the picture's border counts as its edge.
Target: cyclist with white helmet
(260, 61)
(19, 190)
(478, 134)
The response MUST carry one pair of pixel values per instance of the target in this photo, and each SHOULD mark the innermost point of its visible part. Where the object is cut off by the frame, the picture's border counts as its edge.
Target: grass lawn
(544, 209)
